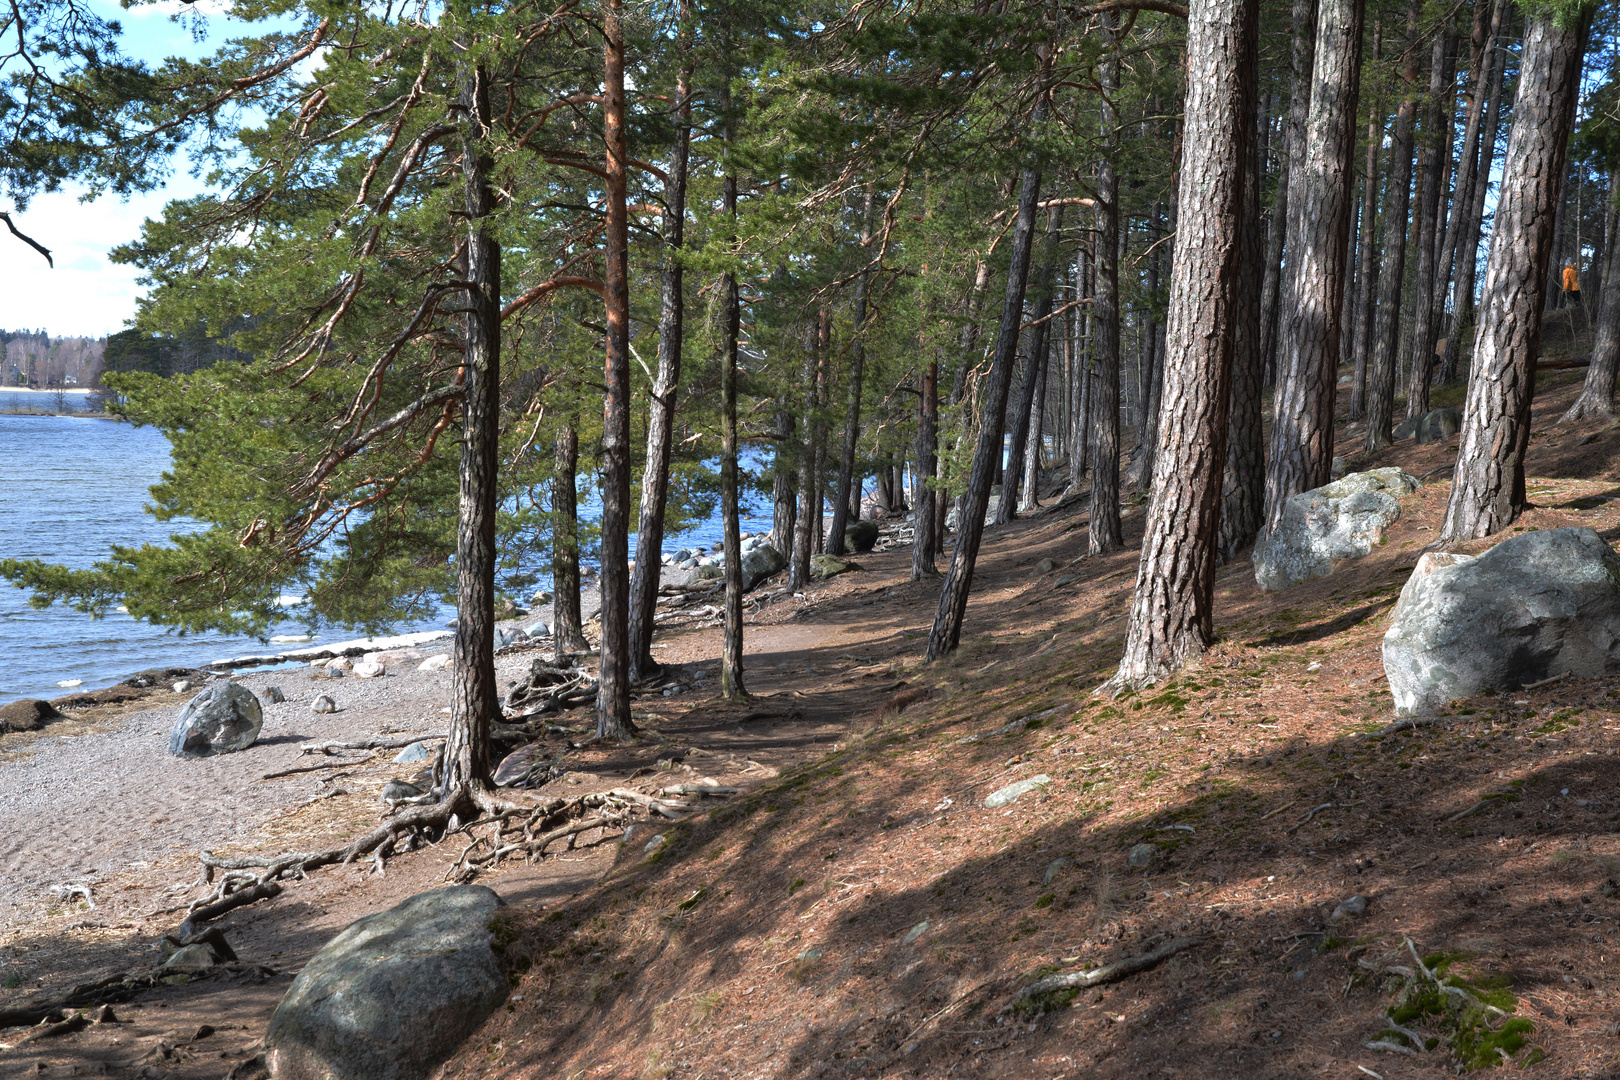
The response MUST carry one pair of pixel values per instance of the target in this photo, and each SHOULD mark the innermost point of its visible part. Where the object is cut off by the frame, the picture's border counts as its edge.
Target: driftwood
(549, 689)
(1119, 969)
(377, 743)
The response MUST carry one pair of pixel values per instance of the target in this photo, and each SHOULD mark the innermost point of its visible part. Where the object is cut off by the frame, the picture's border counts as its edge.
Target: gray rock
(1337, 468)
(398, 791)
(417, 751)
(394, 995)
(1057, 867)
(189, 961)
(29, 714)
(1321, 527)
(655, 843)
(823, 567)
(181, 687)
(916, 932)
(1533, 606)
(1438, 424)
(222, 719)
(436, 663)
(1064, 579)
(1404, 430)
(710, 572)
(365, 669)
(1352, 908)
(861, 535)
(323, 704)
(1013, 791)
(273, 695)
(759, 563)
(1141, 856)
(1045, 566)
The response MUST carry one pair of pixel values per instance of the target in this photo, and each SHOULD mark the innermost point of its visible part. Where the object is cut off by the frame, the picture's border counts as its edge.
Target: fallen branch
(318, 768)
(1280, 809)
(377, 743)
(1547, 682)
(1393, 1048)
(1119, 969)
(77, 1022)
(264, 890)
(1306, 820)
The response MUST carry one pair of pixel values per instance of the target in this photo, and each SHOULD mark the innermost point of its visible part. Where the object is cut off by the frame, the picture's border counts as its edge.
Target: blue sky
(85, 294)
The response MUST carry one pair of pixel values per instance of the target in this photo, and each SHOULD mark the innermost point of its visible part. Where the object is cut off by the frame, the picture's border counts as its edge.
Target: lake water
(70, 401)
(70, 488)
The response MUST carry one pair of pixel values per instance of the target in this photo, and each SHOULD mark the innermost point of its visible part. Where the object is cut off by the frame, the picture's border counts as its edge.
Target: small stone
(203, 1031)
(436, 663)
(1141, 856)
(916, 932)
(398, 791)
(273, 695)
(655, 843)
(1065, 579)
(417, 751)
(1352, 908)
(339, 663)
(181, 687)
(369, 671)
(1013, 791)
(105, 1015)
(1045, 566)
(323, 704)
(1057, 867)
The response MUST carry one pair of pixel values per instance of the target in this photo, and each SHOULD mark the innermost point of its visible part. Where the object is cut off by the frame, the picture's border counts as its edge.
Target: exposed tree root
(1119, 969)
(376, 743)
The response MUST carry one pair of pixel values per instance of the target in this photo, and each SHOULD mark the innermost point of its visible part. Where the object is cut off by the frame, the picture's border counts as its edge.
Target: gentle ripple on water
(70, 488)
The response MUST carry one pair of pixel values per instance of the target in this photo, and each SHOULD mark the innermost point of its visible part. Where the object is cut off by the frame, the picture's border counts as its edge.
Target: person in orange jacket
(1572, 285)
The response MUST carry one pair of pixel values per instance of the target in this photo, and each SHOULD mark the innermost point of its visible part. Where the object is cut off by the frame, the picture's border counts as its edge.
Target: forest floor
(859, 911)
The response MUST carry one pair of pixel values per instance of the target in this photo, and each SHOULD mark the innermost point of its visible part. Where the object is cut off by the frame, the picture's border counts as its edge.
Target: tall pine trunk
(1436, 144)
(613, 687)
(785, 484)
(1029, 491)
(1367, 255)
(1107, 532)
(731, 653)
(925, 540)
(1244, 480)
(661, 409)
(1034, 372)
(567, 631)
(847, 505)
(1171, 620)
(1488, 490)
(947, 629)
(1397, 201)
(1597, 393)
(804, 528)
(474, 700)
(1301, 453)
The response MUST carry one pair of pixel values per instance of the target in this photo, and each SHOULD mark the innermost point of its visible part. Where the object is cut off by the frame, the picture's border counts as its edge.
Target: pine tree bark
(567, 632)
(1461, 319)
(1080, 423)
(613, 684)
(925, 539)
(1244, 479)
(947, 629)
(1301, 453)
(1303, 34)
(785, 484)
(1029, 490)
(804, 531)
(731, 653)
(1397, 201)
(1367, 254)
(1107, 532)
(1171, 619)
(1488, 490)
(644, 581)
(847, 506)
(1437, 140)
(1034, 372)
(475, 701)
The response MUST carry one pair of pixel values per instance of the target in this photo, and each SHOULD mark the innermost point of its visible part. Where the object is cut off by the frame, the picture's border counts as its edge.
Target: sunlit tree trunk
(1107, 532)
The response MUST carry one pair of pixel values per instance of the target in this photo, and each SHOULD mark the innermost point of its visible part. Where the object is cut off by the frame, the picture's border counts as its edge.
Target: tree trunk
(1244, 479)
(1367, 258)
(1397, 199)
(1034, 371)
(613, 685)
(847, 505)
(567, 632)
(1107, 533)
(1080, 423)
(645, 580)
(804, 531)
(1462, 293)
(953, 597)
(1303, 35)
(731, 653)
(1301, 454)
(1171, 619)
(1488, 493)
(785, 484)
(1436, 141)
(1597, 394)
(474, 699)
(1029, 491)
(926, 537)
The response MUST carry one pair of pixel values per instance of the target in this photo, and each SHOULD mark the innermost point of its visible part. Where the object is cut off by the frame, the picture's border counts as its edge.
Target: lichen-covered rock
(1533, 606)
(759, 563)
(823, 567)
(222, 719)
(394, 995)
(1321, 527)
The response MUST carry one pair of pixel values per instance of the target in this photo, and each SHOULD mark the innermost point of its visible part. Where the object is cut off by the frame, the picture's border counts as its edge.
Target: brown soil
(783, 932)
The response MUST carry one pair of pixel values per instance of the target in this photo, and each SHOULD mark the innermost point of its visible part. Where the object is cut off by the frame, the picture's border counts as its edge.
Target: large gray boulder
(1534, 606)
(222, 719)
(861, 535)
(1325, 525)
(392, 996)
(759, 563)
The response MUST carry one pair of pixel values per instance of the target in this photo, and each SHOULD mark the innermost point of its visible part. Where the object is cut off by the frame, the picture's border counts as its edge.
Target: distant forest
(34, 359)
